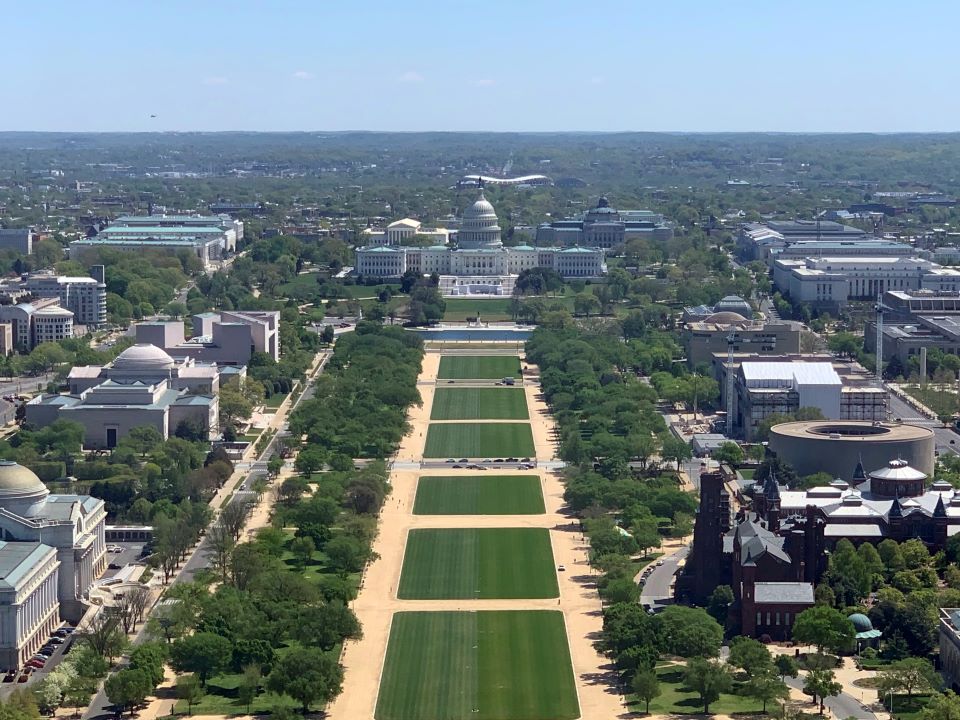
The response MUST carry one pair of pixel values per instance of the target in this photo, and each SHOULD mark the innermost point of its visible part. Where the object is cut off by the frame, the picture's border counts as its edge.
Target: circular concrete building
(836, 446)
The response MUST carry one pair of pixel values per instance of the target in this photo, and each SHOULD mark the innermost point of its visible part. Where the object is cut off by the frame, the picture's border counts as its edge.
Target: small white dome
(143, 356)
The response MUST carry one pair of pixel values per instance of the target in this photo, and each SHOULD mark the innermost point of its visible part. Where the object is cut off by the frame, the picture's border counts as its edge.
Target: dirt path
(377, 601)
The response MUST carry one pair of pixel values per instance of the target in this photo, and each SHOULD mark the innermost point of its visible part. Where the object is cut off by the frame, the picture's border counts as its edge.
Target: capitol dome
(143, 356)
(479, 228)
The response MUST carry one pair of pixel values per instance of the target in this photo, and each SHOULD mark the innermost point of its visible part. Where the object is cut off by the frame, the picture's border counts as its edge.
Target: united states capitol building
(479, 264)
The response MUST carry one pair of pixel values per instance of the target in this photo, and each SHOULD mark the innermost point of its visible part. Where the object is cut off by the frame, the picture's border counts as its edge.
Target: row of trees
(360, 403)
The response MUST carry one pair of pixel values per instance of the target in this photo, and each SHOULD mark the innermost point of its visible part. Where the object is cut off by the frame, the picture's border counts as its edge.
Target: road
(947, 441)
(656, 591)
(200, 559)
(843, 705)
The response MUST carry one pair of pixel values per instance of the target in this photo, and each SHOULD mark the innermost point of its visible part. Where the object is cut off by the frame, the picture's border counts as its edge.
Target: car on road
(10, 676)
(464, 460)
(561, 568)
(659, 563)
(458, 467)
(113, 566)
(55, 640)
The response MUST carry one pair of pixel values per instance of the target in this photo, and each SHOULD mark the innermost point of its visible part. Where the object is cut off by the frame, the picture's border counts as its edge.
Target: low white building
(401, 231)
(833, 281)
(225, 337)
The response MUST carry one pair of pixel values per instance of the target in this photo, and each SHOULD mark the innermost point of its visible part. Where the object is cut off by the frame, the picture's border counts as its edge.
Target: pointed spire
(749, 561)
(940, 511)
(859, 474)
(895, 510)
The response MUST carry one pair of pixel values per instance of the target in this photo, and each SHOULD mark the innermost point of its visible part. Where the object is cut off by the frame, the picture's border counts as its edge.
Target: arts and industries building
(52, 548)
(210, 237)
(143, 386)
(479, 264)
(774, 553)
(225, 337)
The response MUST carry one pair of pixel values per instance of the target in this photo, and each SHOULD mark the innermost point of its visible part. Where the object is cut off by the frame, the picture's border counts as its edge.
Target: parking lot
(119, 556)
(26, 678)
(129, 553)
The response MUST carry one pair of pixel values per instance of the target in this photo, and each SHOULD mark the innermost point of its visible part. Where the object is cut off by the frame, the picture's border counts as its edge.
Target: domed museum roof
(861, 623)
(21, 491)
(143, 356)
(15, 478)
(725, 318)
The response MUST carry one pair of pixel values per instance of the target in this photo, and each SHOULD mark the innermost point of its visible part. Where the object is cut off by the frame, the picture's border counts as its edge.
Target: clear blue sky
(686, 65)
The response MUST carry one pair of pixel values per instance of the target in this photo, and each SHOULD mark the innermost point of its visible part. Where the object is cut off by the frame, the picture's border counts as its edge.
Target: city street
(200, 558)
(656, 591)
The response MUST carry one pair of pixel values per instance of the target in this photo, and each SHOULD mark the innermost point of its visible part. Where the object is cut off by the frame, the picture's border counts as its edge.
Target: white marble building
(479, 264)
(52, 548)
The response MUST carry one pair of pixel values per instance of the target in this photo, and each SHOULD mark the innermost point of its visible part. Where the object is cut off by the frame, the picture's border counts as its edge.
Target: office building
(765, 388)
(605, 227)
(914, 319)
(85, 297)
(831, 282)
(758, 241)
(225, 337)
(19, 240)
(35, 322)
(209, 237)
(715, 333)
(231, 229)
(479, 264)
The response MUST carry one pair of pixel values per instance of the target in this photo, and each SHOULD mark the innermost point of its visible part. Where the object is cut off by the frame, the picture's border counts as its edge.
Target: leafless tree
(234, 515)
(220, 544)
